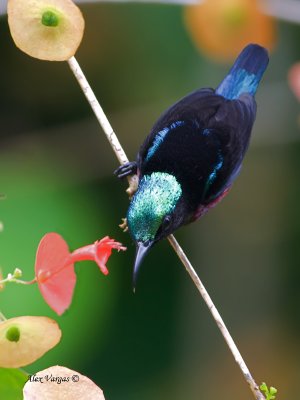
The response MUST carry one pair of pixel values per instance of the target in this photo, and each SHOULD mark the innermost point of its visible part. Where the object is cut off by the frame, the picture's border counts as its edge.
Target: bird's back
(200, 140)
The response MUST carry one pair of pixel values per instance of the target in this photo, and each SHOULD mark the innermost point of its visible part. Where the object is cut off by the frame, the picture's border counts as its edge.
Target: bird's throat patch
(157, 196)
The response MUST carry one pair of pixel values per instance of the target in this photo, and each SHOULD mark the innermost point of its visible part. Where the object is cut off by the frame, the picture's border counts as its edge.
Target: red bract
(54, 267)
(55, 278)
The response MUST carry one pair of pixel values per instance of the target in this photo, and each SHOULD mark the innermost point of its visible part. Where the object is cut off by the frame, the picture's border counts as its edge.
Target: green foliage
(11, 383)
(270, 393)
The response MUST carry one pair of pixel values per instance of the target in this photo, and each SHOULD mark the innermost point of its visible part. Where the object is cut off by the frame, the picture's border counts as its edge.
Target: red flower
(99, 252)
(54, 267)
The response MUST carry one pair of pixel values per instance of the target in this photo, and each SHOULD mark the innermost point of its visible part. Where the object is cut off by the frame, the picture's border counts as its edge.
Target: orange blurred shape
(294, 79)
(221, 28)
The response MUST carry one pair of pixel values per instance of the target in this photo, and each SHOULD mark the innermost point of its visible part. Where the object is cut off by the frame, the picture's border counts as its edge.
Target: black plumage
(213, 127)
(193, 153)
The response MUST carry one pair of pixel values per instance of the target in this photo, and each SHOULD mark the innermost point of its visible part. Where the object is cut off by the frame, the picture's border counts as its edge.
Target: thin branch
(287, 10)
(217, 317)
(115, 144)
(171, 2)
(102, 119)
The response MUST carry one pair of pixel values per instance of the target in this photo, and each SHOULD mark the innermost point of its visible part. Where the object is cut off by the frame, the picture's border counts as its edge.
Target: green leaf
(269, 393)
(264, 387)
(11, 383)
(273, 390)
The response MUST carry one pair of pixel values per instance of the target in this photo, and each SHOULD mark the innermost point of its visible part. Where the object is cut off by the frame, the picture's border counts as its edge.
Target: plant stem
(217, 317)
(287, 10)
(115, 144)
(101, 117)
(2, 318)
(34, 280)
(11, 279)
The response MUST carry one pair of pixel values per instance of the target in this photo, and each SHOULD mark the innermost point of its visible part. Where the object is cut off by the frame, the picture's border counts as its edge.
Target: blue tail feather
(246, 73)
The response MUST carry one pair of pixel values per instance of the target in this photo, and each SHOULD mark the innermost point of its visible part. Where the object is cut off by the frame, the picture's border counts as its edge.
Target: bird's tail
(246, 72)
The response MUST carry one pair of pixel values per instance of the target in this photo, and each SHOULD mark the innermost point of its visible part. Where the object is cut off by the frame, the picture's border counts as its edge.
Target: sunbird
(193, 153)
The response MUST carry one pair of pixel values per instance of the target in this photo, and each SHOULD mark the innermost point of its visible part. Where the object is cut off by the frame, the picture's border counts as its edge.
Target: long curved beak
(141, 251)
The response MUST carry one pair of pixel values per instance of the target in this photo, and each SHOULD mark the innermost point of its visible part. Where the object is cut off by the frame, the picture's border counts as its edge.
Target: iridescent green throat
(156, 197)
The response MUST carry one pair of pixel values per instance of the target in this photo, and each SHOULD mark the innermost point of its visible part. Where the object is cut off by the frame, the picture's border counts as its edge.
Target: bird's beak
(141, 251)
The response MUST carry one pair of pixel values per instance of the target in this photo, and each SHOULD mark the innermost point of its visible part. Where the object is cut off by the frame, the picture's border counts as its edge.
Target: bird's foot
(127, 169)
(133, 185)
(124, 225)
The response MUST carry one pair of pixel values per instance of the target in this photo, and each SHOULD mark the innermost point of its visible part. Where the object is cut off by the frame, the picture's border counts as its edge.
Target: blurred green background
(56, 170)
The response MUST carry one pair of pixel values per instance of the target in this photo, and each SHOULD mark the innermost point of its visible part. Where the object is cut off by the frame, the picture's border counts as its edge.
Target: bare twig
(287, 10)
(284, 10)
(102, 119)
(217, 317)
(111, 136)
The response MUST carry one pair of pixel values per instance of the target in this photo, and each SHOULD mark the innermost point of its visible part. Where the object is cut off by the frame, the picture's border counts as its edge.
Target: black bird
(193, 153)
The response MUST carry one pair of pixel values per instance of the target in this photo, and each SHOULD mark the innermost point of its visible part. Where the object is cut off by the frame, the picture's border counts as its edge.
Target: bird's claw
(124, 225)
(127, 169)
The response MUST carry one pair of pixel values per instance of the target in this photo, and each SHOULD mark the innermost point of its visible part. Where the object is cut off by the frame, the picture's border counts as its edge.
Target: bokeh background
(56, 170)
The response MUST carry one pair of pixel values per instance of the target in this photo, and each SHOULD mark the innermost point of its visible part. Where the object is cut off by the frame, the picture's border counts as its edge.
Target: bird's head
(151, 215)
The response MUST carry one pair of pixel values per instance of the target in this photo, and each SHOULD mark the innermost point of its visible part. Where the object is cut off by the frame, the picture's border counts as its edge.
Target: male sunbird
(193, 153)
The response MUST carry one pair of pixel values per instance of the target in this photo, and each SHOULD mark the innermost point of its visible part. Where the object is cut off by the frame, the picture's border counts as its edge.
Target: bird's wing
(184, 110)
(232, 124)
(201, 140)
